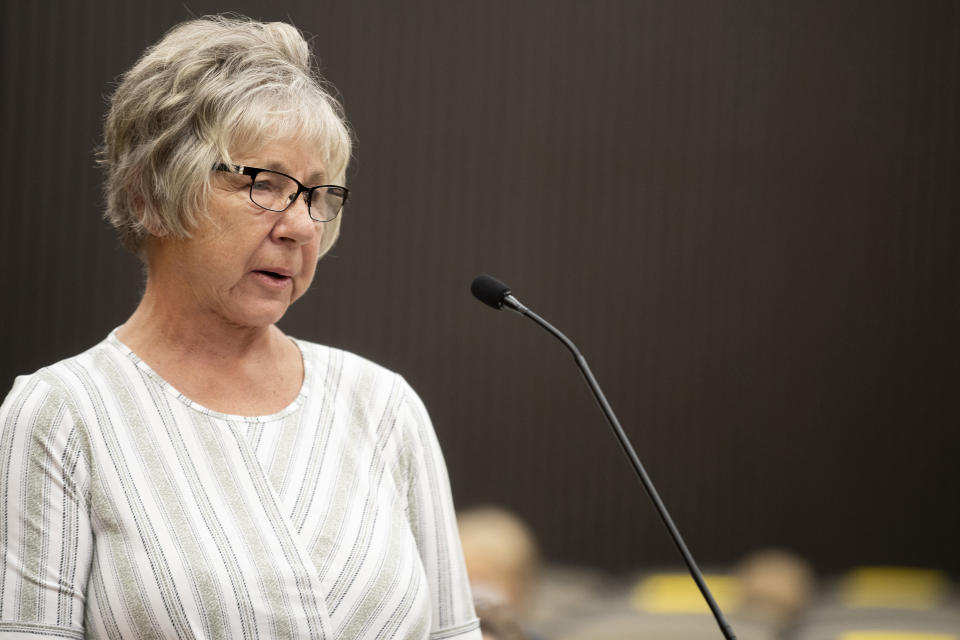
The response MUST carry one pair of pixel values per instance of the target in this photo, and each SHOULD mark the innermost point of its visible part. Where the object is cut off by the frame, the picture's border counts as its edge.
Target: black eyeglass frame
(301, 188)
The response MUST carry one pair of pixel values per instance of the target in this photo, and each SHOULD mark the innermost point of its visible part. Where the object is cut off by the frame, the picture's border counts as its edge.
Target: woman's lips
(272, 279)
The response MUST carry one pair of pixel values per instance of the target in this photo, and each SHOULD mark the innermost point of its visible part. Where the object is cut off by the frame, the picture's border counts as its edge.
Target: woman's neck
(222, 366)
(158, 325)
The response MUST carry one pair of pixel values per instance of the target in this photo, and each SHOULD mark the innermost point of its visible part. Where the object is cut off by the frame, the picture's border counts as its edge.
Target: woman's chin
(256, 316)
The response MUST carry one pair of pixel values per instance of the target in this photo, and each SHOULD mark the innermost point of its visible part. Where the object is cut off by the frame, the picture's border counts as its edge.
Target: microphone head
(489, 290)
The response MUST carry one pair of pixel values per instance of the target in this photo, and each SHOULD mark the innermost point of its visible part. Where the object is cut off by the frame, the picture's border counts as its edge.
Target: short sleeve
(45, 534)
(433, 520)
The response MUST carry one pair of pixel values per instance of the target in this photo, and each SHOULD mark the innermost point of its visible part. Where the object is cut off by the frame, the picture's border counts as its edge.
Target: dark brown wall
(745, 212)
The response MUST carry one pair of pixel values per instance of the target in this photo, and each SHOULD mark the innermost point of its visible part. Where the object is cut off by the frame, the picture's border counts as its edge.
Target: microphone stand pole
(517, 306)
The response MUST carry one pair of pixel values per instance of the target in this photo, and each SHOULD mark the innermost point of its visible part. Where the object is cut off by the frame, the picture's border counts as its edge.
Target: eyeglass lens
(276, 192)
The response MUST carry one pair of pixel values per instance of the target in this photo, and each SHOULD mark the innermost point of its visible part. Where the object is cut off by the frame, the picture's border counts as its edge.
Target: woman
(198, 474)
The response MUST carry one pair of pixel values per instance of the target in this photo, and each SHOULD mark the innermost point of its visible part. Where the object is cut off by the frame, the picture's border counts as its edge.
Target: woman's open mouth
(272, 278)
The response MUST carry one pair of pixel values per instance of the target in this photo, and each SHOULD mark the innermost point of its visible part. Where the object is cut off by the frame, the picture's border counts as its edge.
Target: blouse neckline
(295, 405)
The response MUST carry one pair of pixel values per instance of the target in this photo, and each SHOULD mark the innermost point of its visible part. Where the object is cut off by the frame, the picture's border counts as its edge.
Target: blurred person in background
(199, 474)
(503, 562)
(497, 622)
(501, 553)
(776, 586)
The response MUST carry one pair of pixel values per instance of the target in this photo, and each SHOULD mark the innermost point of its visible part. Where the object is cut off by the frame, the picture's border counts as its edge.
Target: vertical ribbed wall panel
(744, 212)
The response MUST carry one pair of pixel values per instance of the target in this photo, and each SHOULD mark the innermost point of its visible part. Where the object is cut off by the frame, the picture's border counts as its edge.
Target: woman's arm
(432, 517)
(46, 542)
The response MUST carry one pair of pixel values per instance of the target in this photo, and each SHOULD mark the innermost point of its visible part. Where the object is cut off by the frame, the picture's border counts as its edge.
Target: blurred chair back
(885, 603)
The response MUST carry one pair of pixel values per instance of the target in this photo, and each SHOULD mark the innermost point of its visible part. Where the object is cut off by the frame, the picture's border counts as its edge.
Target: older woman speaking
(198, 474)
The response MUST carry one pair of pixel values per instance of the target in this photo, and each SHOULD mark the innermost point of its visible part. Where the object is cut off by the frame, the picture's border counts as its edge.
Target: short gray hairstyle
(211, 87)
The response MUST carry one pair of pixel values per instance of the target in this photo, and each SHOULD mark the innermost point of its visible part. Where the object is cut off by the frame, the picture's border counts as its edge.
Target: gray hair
(211, 87)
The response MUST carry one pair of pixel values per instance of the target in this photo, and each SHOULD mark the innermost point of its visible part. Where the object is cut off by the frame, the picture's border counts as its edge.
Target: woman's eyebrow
(274, 166)
(315, 178)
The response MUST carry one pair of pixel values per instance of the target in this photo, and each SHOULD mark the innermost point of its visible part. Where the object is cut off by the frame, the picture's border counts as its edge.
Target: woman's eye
(261, 185)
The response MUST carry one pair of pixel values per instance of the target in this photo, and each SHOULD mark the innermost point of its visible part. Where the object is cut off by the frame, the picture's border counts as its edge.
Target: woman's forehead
(320, 147)
(300, 158)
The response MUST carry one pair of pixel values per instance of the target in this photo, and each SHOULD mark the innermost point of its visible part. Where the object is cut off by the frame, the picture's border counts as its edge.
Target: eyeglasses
(276, 191)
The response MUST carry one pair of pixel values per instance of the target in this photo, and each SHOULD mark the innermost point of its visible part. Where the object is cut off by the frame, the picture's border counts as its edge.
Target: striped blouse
(128, 511)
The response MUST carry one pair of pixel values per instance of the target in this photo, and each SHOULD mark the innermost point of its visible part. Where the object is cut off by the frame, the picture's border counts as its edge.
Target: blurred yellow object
(895, 635)
(894, 587)
(678, 593)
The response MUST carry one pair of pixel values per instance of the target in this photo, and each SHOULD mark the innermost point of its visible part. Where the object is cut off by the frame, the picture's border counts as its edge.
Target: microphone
(496, 294)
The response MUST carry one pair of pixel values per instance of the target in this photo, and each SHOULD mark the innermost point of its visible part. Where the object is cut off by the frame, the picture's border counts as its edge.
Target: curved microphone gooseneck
(494, 293)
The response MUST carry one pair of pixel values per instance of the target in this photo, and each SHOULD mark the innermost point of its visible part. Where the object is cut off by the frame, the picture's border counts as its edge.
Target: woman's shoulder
(345, 373)
(324, 358)
(62, 382)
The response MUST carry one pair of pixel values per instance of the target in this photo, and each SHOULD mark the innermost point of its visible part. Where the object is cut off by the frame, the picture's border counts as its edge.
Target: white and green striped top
(128, 511)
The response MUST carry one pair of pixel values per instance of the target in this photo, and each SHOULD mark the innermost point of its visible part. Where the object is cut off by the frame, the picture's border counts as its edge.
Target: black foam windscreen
(489, 290)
